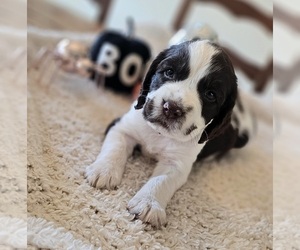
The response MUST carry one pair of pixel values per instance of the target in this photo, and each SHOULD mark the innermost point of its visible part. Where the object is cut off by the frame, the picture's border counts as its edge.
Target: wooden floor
(42, 14)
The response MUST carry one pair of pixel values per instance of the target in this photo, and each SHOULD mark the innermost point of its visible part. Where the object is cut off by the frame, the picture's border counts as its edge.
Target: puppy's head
(189, 91)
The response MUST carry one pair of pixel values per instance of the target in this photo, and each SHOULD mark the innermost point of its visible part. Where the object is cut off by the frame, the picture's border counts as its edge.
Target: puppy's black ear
(221, 122)
(147, 81)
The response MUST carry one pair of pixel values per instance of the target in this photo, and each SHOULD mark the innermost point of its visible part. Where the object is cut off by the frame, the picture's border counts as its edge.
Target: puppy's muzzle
(172, 110)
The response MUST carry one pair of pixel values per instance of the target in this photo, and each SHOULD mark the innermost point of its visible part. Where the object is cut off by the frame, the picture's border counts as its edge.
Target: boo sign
(122, 59)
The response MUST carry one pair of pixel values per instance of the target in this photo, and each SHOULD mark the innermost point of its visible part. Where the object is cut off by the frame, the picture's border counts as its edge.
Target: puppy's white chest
(158, 146)
(153, 144)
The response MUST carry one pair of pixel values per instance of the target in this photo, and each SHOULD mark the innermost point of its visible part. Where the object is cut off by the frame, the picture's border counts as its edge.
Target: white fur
(183, 92)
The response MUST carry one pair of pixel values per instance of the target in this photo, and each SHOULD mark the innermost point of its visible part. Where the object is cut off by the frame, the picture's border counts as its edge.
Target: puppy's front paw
(103, 176)
(147, 209)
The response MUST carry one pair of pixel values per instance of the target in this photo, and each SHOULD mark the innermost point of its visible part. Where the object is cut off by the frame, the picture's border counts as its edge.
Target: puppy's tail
(244, 121)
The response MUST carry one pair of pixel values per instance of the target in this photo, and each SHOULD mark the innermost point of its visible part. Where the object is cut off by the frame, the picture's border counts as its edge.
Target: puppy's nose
(172, 110)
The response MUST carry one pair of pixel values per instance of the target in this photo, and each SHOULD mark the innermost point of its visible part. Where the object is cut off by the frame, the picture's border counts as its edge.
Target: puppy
(183, 114)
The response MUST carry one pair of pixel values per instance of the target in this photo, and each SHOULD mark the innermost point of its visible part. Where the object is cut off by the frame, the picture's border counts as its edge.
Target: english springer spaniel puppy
(188, 109)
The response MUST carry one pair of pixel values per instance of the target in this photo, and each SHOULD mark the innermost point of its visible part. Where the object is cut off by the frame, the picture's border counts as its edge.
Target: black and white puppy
(184, 113)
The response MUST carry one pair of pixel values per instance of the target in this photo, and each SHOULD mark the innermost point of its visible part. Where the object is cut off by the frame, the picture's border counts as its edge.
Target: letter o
(132, 60)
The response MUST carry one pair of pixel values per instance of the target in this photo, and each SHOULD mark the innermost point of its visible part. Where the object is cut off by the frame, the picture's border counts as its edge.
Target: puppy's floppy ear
(221, 122)
(148, 78)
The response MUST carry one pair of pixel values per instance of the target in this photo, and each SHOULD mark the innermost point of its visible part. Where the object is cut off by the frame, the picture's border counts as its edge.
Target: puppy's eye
(210, 96)
(169, 73)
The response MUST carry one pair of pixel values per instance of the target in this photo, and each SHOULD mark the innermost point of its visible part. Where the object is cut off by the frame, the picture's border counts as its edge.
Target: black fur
(190, 129)
(221, 144)
(176, 58)
(241, 140)
(223, 82)
(113, 123)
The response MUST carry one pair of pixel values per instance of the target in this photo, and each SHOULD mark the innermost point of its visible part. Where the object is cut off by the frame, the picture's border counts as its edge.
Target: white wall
(160, 12)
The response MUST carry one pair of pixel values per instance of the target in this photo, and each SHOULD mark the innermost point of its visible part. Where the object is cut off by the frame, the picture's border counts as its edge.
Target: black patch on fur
(220, 145)
(222, 81)
(137, 151)
(241, 140)
(190, 129)
(176, 58)
(221, 135)
(113, 123)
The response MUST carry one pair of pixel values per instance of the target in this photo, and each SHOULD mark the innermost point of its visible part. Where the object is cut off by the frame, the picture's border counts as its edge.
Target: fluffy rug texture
(13, 125)
(223, 205)
(286, 173)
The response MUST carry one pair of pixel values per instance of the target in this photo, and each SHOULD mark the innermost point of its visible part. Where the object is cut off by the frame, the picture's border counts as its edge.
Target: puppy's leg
(109, 166)
(150, 202)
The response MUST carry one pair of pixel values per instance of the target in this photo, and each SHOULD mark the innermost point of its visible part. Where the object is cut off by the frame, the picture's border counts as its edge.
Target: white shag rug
(13, 127)
(224, 205)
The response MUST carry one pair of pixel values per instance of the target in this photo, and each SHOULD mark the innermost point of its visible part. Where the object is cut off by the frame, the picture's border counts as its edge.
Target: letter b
(107, 58)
